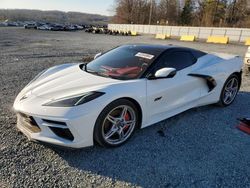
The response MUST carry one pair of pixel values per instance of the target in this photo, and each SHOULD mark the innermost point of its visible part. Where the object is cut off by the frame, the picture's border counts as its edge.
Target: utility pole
(150, 12)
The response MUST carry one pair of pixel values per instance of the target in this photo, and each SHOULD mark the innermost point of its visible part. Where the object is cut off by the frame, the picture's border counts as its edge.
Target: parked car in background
(78, 27)
(57, 27)
(20, 23)
(41, 25)
(69, 28)
(44, 27)
(247, 59)
(11, 24)
(30, 26)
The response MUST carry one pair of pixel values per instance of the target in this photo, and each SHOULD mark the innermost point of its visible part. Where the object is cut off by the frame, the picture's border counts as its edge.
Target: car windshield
(124, 63)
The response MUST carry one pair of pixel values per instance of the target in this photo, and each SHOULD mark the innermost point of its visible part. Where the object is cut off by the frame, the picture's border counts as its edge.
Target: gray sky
(88, 6)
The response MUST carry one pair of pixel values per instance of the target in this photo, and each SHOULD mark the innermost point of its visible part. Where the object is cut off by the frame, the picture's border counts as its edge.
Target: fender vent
(211, 83)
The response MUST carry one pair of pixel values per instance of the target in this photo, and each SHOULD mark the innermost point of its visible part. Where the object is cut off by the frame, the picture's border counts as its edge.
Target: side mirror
(164, 73)
(98, 55)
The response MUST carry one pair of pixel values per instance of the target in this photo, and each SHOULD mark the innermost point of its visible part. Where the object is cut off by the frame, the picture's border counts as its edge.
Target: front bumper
(57, 131)
(63, 126)
(68, 127)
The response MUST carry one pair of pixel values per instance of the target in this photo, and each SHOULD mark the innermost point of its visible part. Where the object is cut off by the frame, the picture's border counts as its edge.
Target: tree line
(52, 16)
(208, 13)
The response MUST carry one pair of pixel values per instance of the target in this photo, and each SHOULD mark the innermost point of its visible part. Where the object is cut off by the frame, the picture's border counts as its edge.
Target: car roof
(149, 47)
(157, 49)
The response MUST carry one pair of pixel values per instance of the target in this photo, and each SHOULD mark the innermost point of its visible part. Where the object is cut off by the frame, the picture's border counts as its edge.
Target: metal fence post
(240, 35)
(179, 32)
(199, 31)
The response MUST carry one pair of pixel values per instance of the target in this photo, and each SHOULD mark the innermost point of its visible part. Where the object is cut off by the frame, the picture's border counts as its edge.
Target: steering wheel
(144, 66)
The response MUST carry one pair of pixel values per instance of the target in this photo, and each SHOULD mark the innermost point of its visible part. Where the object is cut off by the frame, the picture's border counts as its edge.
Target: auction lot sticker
(144, 55)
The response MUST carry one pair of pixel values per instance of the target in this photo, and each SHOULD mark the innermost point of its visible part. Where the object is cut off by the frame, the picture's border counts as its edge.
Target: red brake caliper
(127, 118)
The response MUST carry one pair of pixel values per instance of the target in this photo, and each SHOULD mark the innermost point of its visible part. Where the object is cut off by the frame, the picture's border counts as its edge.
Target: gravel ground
(198, 148)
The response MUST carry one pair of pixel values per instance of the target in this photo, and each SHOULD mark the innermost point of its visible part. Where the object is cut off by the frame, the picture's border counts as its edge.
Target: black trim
(54, 122)
(211, 83)
(63, 133)
(158, 98)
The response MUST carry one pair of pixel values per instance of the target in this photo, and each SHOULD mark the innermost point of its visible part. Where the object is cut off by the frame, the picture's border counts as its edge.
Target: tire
(227, 99)
(111, 129)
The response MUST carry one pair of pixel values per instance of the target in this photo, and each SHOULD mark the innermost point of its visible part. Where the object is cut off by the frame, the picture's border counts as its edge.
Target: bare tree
(168, 12)
(189, 12)
(239, 14)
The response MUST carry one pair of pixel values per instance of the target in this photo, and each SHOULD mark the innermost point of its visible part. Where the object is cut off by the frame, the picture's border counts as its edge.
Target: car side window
(177, 59)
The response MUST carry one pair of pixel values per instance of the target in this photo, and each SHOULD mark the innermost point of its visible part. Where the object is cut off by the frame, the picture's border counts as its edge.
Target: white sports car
(129, 87)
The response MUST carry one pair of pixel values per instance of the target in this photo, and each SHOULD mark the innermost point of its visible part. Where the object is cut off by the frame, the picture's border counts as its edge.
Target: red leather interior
(128, 71)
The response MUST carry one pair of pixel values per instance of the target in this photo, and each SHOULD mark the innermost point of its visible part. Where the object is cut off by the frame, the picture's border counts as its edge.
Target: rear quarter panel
(220, 67)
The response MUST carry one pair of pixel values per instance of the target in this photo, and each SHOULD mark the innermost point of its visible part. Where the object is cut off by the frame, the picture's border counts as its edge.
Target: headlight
(74, 100)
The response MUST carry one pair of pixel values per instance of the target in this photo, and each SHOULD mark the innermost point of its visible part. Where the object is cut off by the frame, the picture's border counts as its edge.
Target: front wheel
(229, 90)
(116, 123)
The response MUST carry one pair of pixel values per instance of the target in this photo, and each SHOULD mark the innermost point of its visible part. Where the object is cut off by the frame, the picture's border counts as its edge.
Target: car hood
(66, 80)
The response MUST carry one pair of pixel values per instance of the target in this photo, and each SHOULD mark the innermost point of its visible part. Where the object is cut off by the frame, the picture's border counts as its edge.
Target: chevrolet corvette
(127, 88)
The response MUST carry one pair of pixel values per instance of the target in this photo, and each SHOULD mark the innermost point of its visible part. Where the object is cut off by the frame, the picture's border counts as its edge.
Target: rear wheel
(116, 123)
(229, 91)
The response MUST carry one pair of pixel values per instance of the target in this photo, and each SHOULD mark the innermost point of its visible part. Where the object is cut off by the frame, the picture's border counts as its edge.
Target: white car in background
(44, 27)
(247, 59)
(129, 87)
